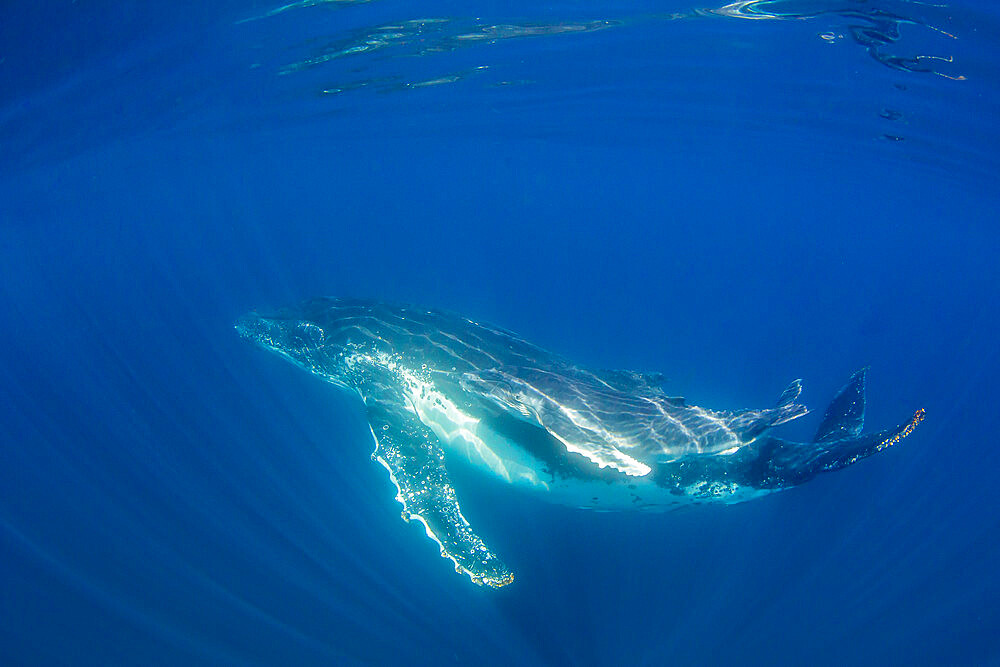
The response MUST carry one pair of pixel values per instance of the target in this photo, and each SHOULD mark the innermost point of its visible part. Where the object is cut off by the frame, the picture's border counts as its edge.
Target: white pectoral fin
(415, 461)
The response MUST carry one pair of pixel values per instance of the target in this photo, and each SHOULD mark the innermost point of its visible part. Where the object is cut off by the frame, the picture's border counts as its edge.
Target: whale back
(629, 430)
(438, 340)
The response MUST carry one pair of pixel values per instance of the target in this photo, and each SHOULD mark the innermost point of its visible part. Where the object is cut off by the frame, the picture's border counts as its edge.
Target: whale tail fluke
(845, 416)
(838, 443)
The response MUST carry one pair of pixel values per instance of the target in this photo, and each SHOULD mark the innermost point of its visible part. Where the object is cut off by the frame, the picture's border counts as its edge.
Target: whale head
(299, 340)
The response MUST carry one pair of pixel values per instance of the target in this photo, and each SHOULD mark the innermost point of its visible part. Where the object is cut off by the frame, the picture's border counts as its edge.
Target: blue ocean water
(735, 196)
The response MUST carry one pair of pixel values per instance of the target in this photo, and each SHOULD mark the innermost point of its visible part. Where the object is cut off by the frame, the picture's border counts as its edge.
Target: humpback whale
(438, 386)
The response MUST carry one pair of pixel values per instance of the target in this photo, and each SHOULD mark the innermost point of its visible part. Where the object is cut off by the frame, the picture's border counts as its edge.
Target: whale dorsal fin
(845, 417)
(791, 392)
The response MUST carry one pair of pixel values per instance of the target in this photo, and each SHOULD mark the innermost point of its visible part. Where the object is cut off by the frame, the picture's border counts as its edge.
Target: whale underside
(436, 385)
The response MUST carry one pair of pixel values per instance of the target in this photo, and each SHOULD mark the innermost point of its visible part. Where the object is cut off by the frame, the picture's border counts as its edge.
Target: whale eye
(310, 333)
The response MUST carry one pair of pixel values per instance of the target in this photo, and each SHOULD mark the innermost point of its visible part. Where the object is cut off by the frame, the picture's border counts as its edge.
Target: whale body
(436, 385)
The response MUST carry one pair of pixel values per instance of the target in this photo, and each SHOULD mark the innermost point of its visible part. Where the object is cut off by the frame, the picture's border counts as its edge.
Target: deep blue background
(715, 198)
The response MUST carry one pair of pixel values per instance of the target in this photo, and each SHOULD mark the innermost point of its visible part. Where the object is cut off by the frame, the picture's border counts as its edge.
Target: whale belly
(470, 437)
